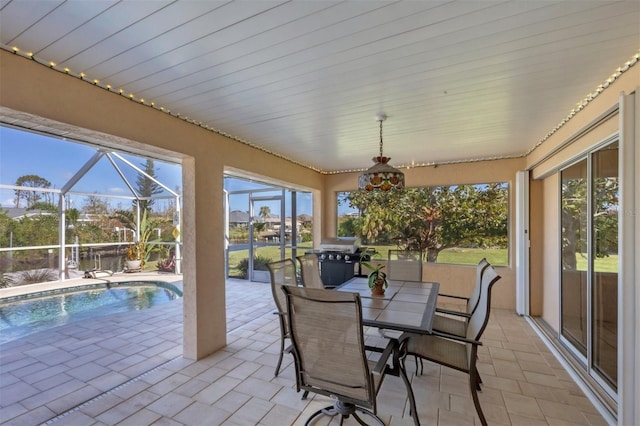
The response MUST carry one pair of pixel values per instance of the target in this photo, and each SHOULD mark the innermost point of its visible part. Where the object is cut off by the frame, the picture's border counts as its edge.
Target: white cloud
(117, 190)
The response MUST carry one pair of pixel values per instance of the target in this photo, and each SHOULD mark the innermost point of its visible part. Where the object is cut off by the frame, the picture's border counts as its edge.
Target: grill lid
(341, 244)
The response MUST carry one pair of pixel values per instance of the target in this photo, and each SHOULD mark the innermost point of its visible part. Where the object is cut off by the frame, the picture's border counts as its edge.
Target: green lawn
(602, 264)
(459, 256)
(498, 257)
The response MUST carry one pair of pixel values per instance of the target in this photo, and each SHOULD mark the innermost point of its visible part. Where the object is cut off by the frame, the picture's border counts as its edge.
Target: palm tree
(265, 212)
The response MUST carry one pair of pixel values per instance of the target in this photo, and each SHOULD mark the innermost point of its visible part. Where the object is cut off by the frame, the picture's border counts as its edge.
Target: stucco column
(204, 317)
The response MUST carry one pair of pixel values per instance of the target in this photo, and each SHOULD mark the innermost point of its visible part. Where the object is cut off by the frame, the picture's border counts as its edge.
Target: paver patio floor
(127, 369)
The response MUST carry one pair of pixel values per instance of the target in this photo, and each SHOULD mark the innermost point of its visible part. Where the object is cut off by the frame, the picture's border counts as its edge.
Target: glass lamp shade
(381, 176)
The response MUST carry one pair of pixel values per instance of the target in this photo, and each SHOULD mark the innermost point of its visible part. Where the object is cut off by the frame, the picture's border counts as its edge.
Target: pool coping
(79, 282)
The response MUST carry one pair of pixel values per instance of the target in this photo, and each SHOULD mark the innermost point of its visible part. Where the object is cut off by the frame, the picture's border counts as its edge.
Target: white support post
(523, 242)
(628, 261)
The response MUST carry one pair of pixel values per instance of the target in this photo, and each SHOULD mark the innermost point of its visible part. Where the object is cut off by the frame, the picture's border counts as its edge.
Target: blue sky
(25, 153)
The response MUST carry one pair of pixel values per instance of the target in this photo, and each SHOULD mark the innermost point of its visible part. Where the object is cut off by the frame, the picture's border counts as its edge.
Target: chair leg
(344, 410)
(280, 357)
(478, 381)
(413, 411)
(474, 385)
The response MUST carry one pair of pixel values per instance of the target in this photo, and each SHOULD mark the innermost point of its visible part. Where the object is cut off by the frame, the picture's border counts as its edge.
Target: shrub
(29, 277)
(259, 264)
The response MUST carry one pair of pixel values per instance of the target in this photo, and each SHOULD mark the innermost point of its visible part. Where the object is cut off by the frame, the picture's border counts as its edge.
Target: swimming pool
(30, 313)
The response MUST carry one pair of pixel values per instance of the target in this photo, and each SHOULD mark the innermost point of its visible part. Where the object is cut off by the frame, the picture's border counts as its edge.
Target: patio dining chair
(330, 355)
(282, 273)
(455, 322)
(459, 353)
(310, 271)
(404, 265)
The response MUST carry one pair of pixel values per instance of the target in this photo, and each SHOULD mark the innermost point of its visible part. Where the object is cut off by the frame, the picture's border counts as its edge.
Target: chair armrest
(450, 312)
(381, 365)
(457, 338)
(453, 296)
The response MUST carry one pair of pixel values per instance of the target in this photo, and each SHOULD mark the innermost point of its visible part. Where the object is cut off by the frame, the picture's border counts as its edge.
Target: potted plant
(133, 256)
(377, 278)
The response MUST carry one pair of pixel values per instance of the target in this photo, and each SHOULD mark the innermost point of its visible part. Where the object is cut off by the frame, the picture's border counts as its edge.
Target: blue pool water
(24, 315)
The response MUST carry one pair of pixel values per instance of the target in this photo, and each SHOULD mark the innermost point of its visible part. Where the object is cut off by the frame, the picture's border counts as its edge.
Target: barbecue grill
(339, 260)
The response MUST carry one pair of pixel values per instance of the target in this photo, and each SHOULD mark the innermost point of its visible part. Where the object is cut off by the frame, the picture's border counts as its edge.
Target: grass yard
(460, 256)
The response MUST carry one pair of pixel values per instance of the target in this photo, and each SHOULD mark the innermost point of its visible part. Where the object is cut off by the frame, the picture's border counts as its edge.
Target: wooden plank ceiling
(459, 80)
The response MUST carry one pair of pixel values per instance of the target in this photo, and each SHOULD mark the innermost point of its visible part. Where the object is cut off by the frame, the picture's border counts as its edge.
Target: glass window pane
(574, 255)
(605, 193)
(458, 224)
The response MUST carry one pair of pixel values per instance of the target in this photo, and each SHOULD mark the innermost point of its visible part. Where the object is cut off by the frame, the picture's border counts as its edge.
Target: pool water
(28, 314)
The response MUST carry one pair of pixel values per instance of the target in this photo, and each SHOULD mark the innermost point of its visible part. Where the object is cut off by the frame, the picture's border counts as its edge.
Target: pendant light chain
(380, 138)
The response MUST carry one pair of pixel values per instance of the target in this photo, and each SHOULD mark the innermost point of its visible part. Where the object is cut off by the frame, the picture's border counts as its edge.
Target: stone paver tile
(252, 412)
(562, 412)
(130, 389)
(36, 416)
(43, 374)
(503, 354)
(216, 390)
(194, 414)
(522, 405)
(127, 408)
(280, 415)
(244, 370)
(500, 383)
(543, 379)
(171, 404)
(451, 418)
(16, 392)
(31, 368)
(142, 417)
(169, 384)
(100, 405)
(258, 388)
(288, 396)
(164, 421)
(75, 418)
(508, 369)
(232, 401)
(108, 381)
(19, 364)
(192, 387)
(70, 400)
(53, 381)
(595, 419)
(88, 371)
(458, 384)
(10, 411)
(531, 357)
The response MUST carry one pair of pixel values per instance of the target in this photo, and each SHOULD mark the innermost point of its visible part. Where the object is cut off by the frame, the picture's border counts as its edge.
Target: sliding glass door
(589, 247)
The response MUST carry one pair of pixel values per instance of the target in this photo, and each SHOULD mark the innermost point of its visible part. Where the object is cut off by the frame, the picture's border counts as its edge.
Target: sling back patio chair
(459, 353)
(455, 322)
(310, 271)
(282, 273)
(330, 355)
(404, 265)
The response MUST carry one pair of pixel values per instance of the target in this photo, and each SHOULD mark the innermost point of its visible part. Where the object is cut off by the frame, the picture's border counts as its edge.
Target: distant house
(238, 218)
(17, 213)
(305, 220)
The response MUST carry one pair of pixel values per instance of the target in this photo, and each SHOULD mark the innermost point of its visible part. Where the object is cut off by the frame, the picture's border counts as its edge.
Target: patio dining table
(406, 306)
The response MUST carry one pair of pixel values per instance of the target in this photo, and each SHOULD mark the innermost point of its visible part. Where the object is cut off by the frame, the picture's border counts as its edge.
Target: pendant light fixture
(381, 176)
